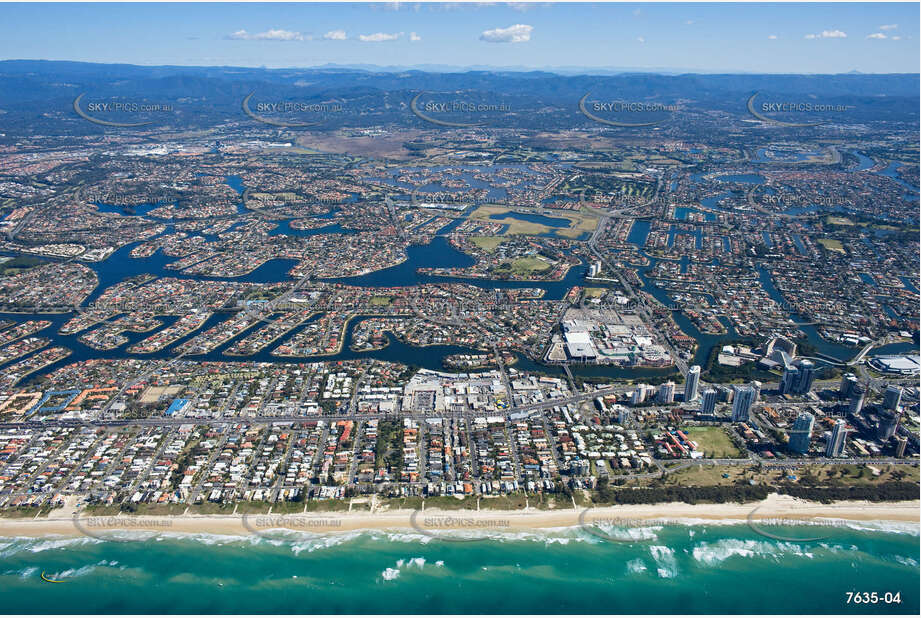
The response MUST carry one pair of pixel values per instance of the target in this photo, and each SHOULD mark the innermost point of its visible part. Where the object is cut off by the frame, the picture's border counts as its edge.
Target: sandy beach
(775, 508)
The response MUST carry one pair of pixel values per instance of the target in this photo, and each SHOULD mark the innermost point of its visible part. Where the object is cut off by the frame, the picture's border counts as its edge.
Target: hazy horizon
(785, 38)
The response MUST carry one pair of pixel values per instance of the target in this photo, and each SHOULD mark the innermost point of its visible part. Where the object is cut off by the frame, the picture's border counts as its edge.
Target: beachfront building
(743, 399)
(893, 397)
(693, 381)
(835, 447)
(708, 402)
(801, 434)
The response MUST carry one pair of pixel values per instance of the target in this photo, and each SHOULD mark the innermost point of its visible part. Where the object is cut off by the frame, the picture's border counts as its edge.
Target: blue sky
(776, 38)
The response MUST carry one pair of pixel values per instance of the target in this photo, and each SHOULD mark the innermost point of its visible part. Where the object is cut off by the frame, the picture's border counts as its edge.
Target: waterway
(464, 172)
(891, 171)
(782, 156)
(863, 162)
(750, 179)
(533, 218)
(439, 253)
(637, 236)
(682, 213)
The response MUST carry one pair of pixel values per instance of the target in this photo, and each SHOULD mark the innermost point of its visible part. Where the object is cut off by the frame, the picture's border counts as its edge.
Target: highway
(631, 294)
(170, 421)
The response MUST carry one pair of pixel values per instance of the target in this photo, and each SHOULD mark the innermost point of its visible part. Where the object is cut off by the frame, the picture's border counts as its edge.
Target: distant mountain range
(50, 67)
(32, 89)
(450, 68)
(558, 70)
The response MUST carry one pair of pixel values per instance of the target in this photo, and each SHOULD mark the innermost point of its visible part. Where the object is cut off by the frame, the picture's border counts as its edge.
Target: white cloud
(689, 22)
(637, 12)
(641, 39)
(414, 37)
(377, 37)
(519, 33)
(521, 7)
(772, 37)
(888, 26)
(335, 35)
(828, 34)
(877, 35)
(896, 38)
(268, 35)
(395, 6)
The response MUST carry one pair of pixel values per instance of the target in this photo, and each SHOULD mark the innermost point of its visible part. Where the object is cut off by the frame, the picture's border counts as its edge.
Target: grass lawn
(580, 222)
(380, 301)
(413, 503)
(827, 475)
(512, 502)
(253, 508)
(326, 506)
(102, 509)
(831, 244)
(450, 503)
(713, 441)
(595, 292)
(212, 508)
(585, 221)
(517, 227)
(20, 264)
(21, 512)
(287, 506)
(160, 510)
(525, 266)
(706, 475)
(487, 243)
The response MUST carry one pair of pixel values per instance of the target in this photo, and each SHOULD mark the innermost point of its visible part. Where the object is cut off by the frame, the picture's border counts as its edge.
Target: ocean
(676, 568)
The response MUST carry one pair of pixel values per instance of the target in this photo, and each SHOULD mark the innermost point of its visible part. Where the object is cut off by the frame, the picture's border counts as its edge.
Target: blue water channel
(782, 156)
(533, 218)
(637, 236)
(891, 171)
(439, 253)
(750, 179)
(682, 212)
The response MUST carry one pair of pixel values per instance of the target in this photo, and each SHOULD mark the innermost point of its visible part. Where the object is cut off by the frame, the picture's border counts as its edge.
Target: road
(632, 295)
(509, 393)
(169, 421)
(529, 410)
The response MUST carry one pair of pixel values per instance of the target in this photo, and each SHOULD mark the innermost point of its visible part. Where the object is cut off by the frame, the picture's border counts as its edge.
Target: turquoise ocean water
(693, 568)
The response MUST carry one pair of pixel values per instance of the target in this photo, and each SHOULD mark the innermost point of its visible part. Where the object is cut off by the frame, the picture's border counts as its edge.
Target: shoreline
(437, 522)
